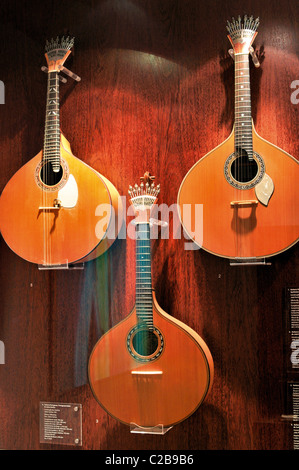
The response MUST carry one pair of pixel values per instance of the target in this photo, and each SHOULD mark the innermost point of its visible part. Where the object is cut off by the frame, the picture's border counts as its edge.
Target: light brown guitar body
(57, 236)
(163, 391)
(231, 228)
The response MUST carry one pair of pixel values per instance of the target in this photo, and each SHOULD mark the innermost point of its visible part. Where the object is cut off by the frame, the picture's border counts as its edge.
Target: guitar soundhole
(244, 170)
(50, 177)
(145, 342)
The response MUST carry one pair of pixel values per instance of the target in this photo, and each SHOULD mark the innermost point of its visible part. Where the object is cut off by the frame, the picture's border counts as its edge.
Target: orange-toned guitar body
(241, 231)
(162, 392)
(64, 235)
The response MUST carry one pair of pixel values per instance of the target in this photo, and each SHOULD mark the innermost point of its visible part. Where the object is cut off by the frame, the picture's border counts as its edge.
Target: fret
(52, 142)
(49, 156)
(147, 307)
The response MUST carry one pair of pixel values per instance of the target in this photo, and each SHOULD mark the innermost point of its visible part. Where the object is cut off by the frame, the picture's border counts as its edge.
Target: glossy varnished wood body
(256, 231)
(177, 382)
(58, 236)
(157, 92)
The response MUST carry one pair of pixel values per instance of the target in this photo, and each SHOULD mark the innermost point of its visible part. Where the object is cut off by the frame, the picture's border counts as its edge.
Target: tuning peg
(254, 57)
(73, 75)
(231, 53)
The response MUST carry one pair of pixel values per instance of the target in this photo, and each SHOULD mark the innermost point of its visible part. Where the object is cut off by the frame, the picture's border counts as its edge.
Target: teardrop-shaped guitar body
(151, 377)
(247, 187)
(56, 219)
(56, 210)
(235, 223)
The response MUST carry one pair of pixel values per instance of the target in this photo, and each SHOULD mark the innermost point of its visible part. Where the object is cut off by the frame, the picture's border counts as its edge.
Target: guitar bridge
(248, 203)
(146, 372)
(56, 205)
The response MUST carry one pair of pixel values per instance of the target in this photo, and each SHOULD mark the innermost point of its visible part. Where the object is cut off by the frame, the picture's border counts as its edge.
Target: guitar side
(164, 391)
(245, 232)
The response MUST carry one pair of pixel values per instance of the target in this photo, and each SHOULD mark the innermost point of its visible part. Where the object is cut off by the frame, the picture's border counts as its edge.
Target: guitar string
(51, 122)
(242, 143)
(141, 243)
(238, 145)
(45, 174)
(237, 148)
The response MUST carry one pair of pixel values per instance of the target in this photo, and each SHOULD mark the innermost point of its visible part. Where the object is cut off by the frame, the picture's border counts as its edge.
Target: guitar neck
(52, 124)
(243, 120)
(144, 298)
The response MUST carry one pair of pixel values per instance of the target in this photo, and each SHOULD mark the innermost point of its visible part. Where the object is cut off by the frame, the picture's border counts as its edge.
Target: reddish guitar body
(235, 224)
(58, 235)
(247, 186)
(56, 210)
(161, 392)
(150, 370)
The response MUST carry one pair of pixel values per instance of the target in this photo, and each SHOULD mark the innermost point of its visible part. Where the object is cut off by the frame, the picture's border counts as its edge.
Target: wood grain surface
(156, 94)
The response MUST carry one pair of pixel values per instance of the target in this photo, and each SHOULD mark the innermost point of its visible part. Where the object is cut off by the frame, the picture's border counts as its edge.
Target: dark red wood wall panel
(156, 94)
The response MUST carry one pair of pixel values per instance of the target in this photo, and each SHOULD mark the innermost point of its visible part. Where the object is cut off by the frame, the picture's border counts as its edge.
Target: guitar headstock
(57, 51)
(242, 33)
(144, 197)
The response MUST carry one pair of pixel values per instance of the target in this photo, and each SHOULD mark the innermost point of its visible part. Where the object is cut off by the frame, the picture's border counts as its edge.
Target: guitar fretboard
(243, 123)
(52, 125)
(144, 298)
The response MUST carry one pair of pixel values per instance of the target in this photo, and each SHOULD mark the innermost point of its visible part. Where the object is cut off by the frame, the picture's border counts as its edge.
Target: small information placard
(60, 423)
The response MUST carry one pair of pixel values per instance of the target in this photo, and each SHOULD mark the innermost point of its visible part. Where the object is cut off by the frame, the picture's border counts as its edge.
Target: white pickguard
(68, 195)
(264, 189)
